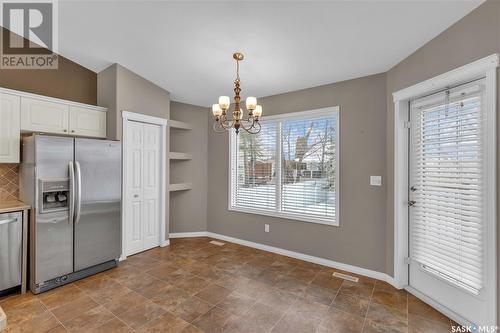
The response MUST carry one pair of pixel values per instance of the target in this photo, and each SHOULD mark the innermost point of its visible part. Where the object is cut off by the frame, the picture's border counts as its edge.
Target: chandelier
(222, 122)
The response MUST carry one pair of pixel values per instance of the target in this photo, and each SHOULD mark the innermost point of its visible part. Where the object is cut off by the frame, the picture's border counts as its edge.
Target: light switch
(376, 180)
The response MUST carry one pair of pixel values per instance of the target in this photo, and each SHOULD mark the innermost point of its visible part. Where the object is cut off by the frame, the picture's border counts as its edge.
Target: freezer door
(54, 230)
(98, 207)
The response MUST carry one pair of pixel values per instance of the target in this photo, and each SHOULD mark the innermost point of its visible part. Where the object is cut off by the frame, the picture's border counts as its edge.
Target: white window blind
(289, 169)
(447, 167)
(255, 169)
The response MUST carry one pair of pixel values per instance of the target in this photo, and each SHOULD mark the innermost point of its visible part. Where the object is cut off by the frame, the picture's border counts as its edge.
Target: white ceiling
(186, 47)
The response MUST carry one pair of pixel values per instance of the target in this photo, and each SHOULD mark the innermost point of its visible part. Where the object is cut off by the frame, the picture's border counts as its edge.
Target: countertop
(12, 206)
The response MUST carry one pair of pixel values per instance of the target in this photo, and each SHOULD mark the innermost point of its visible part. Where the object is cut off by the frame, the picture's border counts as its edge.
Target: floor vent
(345, 277)
(217, 243)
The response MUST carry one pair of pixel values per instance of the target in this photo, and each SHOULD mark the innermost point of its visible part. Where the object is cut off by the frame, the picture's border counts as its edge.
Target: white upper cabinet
(57, 116)
(44, 116)
(10, 119)
(25, 112)
(87, 122)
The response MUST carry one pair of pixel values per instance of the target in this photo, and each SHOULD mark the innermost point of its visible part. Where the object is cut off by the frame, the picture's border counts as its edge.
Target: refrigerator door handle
(78, 205)
(71, 192)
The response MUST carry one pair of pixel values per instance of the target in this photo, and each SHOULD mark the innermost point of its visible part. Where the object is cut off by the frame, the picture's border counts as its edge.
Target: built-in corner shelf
(180, 187)
(180, 156)
(179, 125)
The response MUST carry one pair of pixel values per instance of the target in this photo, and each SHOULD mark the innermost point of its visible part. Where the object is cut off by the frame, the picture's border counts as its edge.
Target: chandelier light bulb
(251, 103)
(258, 111)
(216, 110)
(224, 102)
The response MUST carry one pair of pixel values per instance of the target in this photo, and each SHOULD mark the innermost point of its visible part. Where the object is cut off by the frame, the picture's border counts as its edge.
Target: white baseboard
(297, 255)
(165, 242)
(188, 234)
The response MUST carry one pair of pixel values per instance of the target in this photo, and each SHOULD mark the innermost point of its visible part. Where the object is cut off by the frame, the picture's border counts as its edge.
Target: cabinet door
(10, 115)
(87, 122)
(43, 116)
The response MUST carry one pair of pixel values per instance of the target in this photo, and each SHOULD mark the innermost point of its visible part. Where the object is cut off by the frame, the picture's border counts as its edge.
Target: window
(289, 169)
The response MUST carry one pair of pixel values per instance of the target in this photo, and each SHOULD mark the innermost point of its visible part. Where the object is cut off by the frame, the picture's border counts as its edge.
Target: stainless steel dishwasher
(11, 236)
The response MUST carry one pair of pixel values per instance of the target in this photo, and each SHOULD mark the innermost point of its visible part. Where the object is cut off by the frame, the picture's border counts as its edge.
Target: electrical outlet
(266, 227)
(376, 180)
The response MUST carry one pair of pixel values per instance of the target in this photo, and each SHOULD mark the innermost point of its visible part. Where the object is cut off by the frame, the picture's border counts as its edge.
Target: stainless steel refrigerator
(74, 185)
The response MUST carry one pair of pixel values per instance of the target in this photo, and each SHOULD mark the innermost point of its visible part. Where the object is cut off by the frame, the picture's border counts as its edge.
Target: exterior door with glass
(448, 207)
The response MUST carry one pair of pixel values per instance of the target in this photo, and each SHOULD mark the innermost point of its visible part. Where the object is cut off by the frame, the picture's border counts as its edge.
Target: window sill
(284, 216)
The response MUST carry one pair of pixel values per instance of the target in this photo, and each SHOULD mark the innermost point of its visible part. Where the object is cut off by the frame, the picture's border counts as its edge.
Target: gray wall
(474, 37)
(69, 81)
(106, 96)
(120, 89)
(360, 238)
(136, 94)
(188, 209)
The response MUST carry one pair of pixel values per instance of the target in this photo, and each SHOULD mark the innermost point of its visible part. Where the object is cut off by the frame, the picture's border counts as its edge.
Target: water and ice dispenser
(54, 195)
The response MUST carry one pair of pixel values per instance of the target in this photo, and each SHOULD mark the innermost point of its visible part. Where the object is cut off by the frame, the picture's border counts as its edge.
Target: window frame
(305, 115)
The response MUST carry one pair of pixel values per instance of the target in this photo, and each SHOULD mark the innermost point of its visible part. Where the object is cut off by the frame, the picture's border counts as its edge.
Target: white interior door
(143, 186)
(448, 250)
(151, 185)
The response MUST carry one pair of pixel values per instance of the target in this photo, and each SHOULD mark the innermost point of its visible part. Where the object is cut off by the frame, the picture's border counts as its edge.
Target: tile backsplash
(9, 181)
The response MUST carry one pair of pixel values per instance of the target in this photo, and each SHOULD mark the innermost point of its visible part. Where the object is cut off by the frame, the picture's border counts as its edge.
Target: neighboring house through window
(289, 169)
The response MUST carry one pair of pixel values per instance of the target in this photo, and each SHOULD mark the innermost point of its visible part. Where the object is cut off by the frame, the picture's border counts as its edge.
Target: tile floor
(194, 286)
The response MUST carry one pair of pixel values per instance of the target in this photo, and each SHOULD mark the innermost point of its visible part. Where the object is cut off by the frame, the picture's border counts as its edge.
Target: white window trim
(316, 113)
(485, 67)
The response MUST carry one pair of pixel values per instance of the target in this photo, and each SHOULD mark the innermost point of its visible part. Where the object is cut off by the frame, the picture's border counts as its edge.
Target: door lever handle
(411, 203)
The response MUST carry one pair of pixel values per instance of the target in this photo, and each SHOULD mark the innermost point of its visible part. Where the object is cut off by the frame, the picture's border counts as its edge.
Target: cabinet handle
(72, 131)
(65, 130)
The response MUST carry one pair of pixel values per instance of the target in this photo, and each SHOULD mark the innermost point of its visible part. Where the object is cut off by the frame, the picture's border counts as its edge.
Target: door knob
(136, 195)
